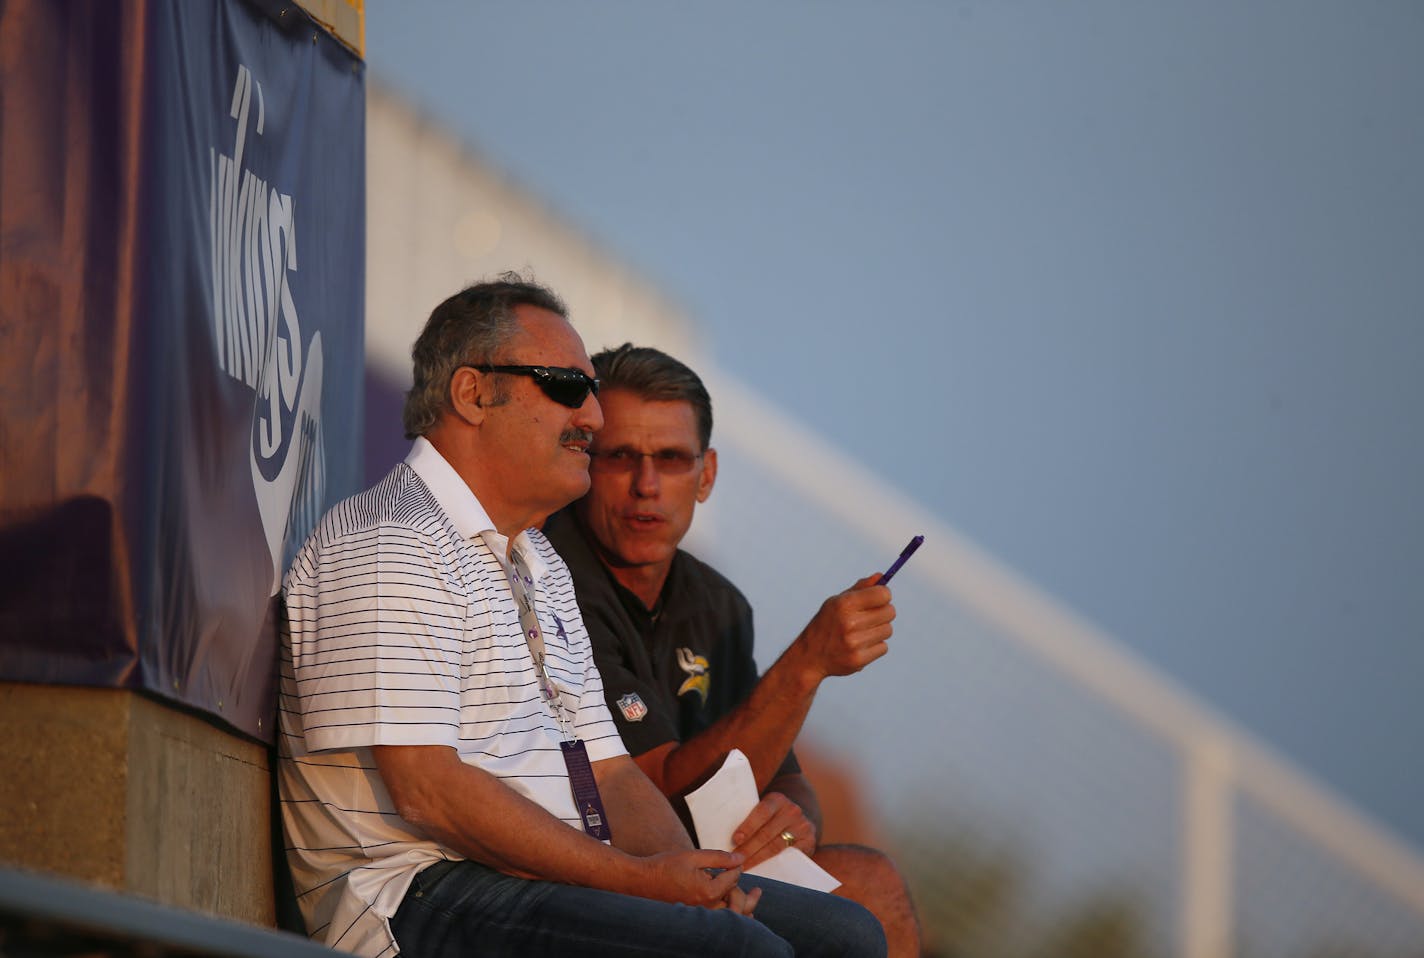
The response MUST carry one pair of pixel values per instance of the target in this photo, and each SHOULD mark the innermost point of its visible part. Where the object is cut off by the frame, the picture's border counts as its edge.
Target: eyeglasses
(668, 462)
(567, 387)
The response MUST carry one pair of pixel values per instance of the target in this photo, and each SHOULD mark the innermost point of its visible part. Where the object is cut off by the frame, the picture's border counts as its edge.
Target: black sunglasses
(567, 387)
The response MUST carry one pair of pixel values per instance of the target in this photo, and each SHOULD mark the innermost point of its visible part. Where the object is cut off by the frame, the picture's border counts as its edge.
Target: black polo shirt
(670, 672)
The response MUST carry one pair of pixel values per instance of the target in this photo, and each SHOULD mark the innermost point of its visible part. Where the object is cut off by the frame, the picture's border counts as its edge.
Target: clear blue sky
(1131, 294)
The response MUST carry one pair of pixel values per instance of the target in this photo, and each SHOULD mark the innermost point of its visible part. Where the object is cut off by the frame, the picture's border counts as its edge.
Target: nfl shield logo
(632, 707)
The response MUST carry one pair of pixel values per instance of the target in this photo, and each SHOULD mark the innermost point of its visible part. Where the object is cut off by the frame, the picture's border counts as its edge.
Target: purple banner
(182, 276)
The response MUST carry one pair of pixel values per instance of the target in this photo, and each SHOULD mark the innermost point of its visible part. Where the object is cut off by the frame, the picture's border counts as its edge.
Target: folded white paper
(724, 801)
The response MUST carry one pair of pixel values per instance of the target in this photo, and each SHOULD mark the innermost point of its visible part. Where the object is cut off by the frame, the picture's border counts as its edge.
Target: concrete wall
(110, 787)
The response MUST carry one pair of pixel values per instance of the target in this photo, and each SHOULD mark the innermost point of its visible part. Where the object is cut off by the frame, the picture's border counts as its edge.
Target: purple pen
(904, 557)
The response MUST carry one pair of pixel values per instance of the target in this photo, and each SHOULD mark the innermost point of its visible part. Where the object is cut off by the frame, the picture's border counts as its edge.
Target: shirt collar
(463, 508)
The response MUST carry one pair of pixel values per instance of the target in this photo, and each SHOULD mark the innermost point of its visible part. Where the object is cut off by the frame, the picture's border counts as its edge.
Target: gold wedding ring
(788, 838)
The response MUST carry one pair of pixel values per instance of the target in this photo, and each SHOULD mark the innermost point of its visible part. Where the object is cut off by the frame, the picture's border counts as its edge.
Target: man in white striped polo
(452, 782)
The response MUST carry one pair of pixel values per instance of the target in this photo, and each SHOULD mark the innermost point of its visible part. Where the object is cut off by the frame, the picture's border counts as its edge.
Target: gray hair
(653, 374)
(468, 329)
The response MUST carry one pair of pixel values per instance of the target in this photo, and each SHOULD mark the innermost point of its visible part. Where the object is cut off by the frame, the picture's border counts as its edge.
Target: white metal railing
(1218, 760)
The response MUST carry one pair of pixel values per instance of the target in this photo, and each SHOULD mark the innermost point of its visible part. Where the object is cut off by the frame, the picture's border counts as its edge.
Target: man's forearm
(642, 821)
(847, 634)
(764, 727)
(475, 814)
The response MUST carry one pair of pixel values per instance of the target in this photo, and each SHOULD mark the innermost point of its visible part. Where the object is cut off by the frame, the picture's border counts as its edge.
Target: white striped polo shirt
(402, 630)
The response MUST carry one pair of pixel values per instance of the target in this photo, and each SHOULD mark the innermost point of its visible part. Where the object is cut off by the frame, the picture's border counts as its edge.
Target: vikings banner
(182, 186)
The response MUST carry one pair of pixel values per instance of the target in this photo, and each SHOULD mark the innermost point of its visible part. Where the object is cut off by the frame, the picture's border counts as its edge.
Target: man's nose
(646, 477)
(590, 415)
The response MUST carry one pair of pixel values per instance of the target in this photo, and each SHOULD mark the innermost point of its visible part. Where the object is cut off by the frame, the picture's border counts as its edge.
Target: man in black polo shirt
(672, 637)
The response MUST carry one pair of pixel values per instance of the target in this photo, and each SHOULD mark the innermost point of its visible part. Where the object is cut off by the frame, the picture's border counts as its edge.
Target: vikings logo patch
(699, 677)
(632, 707)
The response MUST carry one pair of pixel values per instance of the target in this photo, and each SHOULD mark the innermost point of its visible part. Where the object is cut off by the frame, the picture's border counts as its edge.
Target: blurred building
(1047, 792)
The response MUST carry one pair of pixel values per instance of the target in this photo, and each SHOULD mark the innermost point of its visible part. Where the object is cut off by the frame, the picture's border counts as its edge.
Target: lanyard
(522, 584)
(582, 782)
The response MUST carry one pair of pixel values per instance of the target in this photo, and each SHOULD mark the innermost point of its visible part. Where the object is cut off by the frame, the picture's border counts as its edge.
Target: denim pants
(467, 910)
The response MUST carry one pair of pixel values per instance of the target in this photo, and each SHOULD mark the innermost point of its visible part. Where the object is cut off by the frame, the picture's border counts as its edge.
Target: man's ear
(469, 394)
(708, 476)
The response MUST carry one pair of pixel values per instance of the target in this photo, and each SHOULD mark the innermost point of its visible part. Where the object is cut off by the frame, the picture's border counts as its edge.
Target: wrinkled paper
(724, 801)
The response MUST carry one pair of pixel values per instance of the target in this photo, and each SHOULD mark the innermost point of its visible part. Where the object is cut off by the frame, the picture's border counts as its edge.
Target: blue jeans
(464, 909)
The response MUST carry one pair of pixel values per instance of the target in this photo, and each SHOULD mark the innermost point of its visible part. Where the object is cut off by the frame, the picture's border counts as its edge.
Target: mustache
(576, 435)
